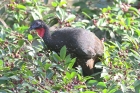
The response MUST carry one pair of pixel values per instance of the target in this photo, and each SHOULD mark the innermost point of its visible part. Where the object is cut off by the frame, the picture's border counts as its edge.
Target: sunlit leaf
(134, 10)
(138, 32)
(30, 37)
(80, 86)
(60, 13)
(73, 74)
(1, 40)
(19, 6)
(127, 22)
(47, 66)
(78, 24)
(62, 3)
(54, 4)
(112, 90)
(36, 14)
(68, 75)
(137, 54)
(70, 18)
(104, 10)
(105, 91)
(89, 92)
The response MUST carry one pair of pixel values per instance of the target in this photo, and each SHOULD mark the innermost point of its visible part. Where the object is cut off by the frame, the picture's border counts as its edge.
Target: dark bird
(80, 43)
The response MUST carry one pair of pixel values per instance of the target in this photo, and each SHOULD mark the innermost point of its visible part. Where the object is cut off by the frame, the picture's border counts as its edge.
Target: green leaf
(137, 89)
(105, 91)
(78, 24)
(112, 90)
(1, 64)
(14, 77)
(72, 63)
(60, 13)
(1, 40)
(119, 91)
(49, 74)
(104, 10)
(118, 44)
(59, 67)
(56, 57)
(36, 14)
(101, 22)
(63, 52)
(80, 86)
(136, 54)
(54, 4)
(47, 66)
(101, 85)
(62, 2)
(19, 6)
(2, 10)
(5, 91)
(92, 82)
(70, 18)
(67, 59)
(134, 11)
(46, 91)
(73, 74)
(58, 87)
(136, 83)
(28, 72)
(89, 92)
(68, 75)
(34, 81)
(79, 77)
(127, 22)
(20, 42)
(86, 15)
(30, 37)
(4, 78)
(138, 32)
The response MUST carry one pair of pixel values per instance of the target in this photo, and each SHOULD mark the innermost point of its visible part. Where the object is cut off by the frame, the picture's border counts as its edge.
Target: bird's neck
(47, 36)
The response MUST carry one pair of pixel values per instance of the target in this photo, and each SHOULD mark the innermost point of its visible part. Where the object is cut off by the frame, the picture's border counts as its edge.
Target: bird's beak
(30, 29)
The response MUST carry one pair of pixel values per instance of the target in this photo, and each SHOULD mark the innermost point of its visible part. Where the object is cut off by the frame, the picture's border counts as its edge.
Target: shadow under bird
(80, 43)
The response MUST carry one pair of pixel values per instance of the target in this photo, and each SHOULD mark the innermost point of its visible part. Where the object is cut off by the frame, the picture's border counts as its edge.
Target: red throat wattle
(40, 31)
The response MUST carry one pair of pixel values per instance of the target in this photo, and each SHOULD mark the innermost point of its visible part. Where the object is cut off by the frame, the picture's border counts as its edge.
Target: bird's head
(39, 26)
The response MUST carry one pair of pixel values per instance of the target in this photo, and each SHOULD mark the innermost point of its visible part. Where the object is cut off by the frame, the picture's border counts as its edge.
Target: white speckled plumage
(82, 43)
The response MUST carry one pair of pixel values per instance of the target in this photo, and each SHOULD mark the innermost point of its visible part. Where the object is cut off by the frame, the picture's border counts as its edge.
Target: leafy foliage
(27, 66)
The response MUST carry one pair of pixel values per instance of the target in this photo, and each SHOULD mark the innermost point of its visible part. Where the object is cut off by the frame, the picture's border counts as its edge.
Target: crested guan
(80, 43)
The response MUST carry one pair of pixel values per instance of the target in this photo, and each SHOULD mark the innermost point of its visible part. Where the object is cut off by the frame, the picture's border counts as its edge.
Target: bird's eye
(38, 23)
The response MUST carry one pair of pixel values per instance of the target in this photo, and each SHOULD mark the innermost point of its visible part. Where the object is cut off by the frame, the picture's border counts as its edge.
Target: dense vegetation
(27, 67)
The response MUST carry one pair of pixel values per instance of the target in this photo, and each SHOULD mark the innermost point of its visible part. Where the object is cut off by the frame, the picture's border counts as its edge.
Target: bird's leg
(90, 63)
(87, 66)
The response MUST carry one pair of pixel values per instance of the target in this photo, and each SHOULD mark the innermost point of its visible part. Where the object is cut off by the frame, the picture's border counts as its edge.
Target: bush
(27, 66)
